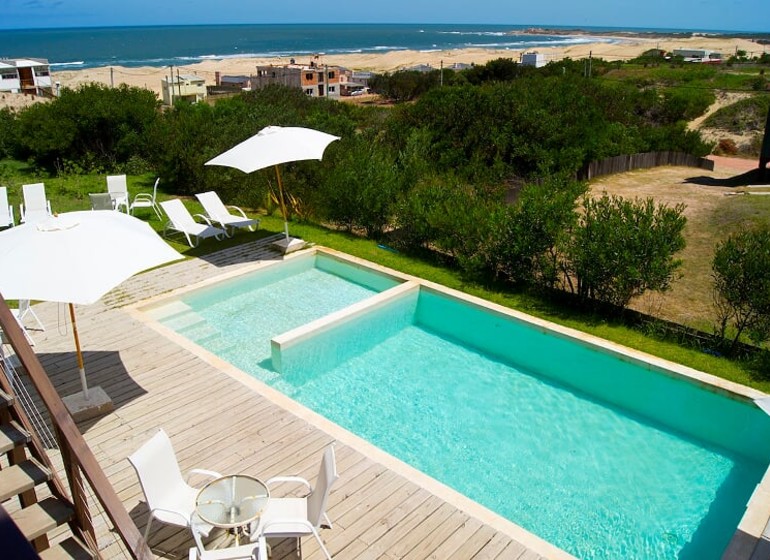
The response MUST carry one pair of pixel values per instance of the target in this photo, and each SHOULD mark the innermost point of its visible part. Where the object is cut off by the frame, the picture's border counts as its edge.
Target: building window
(331, 75)
(9, 76)
(332, 89)
(309, 91)
(309, 76)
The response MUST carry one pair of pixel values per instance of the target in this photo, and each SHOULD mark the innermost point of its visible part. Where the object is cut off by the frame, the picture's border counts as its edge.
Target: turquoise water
(603, 458)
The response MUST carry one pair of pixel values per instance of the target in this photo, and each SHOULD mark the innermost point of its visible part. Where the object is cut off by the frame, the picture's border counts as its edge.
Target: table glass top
(232, 501)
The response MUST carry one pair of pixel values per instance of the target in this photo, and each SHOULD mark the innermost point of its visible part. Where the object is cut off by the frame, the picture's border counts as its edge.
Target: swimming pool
(596, 452)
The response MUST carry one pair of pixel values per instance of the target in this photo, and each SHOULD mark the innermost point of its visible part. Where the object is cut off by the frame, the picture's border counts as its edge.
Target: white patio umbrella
(272, 146)
(76, 258)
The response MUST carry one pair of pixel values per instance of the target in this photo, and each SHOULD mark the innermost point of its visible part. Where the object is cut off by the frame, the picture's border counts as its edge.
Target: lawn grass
(70, 193)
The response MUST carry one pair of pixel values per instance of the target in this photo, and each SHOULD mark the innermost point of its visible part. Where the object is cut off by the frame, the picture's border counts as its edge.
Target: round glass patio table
(233, 501)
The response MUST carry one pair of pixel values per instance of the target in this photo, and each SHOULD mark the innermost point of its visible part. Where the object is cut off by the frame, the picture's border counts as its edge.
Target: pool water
(476, 402)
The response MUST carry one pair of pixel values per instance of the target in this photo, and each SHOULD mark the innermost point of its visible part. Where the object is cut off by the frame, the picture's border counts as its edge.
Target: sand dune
(608, 48)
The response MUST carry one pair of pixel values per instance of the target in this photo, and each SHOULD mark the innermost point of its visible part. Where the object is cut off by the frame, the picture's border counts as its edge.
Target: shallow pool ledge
(282, 342)
(749, 540)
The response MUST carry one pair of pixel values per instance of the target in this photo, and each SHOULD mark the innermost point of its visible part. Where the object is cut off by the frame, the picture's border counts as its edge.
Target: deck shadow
(103, 368)
(751, 177)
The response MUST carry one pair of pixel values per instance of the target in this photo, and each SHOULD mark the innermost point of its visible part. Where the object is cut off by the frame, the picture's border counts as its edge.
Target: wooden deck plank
(216, 422)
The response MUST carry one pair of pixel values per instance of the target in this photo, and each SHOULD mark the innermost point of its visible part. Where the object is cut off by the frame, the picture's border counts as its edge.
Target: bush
(620, 249)
(92, 128)
(726, 147)
(528, 233)
(742, 285)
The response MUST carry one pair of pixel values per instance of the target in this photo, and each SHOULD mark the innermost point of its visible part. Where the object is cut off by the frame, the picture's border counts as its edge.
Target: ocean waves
(181, 45)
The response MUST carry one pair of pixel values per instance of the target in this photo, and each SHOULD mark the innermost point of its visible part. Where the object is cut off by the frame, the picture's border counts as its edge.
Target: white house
(535, 59)
(25, 75)
(698, 55)
(187, 86)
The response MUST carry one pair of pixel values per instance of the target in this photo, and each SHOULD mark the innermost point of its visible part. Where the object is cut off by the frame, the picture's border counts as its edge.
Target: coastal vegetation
(473, 170)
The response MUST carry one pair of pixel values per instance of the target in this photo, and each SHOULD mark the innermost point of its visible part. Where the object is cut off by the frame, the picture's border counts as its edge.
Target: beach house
(535, 59)
(315, 79)
(699, 55)
(25, 75)
(189, 87)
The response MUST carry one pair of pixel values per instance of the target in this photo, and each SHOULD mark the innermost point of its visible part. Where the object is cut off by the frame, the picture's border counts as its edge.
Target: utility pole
(441, 74)
(179, 82)
(170, 85)
(590, 61)
(112, 80)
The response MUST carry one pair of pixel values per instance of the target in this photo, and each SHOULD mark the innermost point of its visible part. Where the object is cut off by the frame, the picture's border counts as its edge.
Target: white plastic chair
(25, 309)
(180, 220)
(251, 551)
(169, 497)
(217, 212)
(118, 189)
(299, 517)
(147, 200)
(101, 201)
(6, 210)
(36, 207)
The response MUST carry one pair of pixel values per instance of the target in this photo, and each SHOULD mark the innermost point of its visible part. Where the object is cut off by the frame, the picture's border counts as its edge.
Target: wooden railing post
(83, 524)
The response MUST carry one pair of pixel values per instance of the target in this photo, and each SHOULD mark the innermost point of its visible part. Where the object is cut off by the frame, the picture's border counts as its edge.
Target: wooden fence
(621, 164)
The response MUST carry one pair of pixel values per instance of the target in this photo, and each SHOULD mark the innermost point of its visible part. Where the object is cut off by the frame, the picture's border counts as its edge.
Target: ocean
(158, 46)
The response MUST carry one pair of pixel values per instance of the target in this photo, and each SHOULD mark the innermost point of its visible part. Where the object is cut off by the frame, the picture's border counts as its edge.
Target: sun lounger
(218, 213)
(181, 221)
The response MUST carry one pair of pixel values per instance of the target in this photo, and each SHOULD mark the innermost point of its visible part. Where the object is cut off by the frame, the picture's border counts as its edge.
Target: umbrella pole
(81, 366)
(283, 203)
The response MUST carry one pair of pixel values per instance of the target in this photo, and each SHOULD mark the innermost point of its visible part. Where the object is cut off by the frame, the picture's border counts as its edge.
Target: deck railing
(79, 460)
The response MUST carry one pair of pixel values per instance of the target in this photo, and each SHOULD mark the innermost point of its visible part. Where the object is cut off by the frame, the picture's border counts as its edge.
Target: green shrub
(742, 284)
(620, 249)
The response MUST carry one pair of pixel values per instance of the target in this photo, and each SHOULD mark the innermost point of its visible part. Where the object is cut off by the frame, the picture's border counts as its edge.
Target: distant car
(361, 91)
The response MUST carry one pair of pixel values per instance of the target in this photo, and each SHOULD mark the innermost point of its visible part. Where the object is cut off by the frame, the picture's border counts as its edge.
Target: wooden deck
(217, 422)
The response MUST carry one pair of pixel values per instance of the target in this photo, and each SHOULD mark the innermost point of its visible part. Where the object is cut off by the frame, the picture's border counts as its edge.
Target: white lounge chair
(251, 551)
(299, 517)
(118, 189)
(180, 220)
(169, 497)
(36, 207)
(6, 210)
(219, 213)
(147, 200)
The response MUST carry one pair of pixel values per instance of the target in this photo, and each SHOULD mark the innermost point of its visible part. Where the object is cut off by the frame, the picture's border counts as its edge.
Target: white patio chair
(147, 200)
(219, 213)
(169, 497)
(6, 210)
(25, 309)
(299, 517)
(36, 207)
(101, 201)
(251, 551)
(118, 189)
(180, 220)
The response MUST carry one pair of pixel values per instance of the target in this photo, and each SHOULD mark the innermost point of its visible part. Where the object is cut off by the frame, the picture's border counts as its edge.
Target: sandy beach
(608, 48)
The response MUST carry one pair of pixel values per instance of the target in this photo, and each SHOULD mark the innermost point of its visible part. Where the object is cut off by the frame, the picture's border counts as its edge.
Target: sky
(717, 15)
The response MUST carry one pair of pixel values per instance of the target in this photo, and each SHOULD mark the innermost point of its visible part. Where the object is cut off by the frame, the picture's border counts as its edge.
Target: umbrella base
(97, 404)
(287, 246)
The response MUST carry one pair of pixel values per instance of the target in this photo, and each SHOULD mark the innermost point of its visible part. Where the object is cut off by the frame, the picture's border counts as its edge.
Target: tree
(742, 284)
(622, 248)
(93, 127)
(363, 188)
(529, 233)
